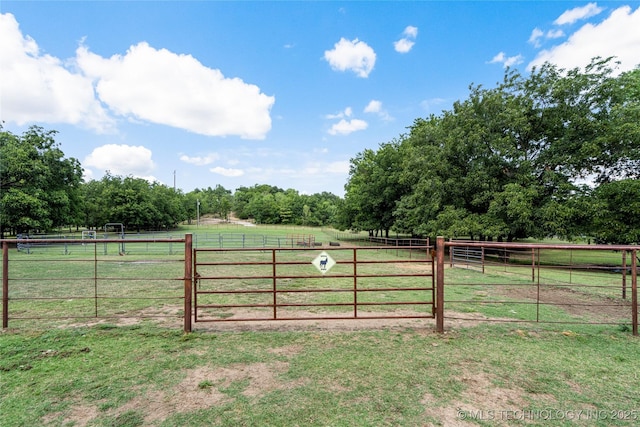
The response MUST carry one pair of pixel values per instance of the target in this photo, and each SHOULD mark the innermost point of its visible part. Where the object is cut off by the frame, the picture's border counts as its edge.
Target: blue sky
(280, 93)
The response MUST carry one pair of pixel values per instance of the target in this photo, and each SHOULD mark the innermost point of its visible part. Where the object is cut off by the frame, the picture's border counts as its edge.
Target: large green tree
(39, 186)
(373, 188)
(133, 202)
(268, 204)
(504, 163)
(616, 212)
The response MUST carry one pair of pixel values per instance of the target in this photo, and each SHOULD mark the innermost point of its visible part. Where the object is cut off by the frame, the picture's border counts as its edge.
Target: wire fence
(568, 284)
(160, 243)
(53, 280)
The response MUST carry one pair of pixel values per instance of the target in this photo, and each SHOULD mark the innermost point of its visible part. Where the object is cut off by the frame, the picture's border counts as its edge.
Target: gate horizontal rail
(95, 283)
(268, 282)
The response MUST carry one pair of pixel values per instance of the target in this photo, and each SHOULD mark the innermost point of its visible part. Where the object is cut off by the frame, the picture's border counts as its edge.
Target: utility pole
(174, 180)
(198, 212)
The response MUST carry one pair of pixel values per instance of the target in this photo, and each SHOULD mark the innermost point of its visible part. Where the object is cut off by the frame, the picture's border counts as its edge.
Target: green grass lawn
(405, 376)
(62, 373)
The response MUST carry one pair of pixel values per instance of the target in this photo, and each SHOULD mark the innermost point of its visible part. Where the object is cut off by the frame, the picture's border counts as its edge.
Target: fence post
(5, 285)
(440, 284)
(274, 284)
(634, 291)
(624, 274)
(533, 265)
(188, 281)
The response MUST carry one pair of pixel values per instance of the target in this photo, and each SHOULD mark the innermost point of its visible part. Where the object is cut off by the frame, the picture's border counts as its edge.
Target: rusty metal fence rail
(380, 241)
(96, 279)
(538, 283)
(104, 279)
(311, 284)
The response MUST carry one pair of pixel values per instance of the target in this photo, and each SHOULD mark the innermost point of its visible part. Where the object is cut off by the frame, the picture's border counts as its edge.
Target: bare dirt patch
(201, 388)
(170, 317)
(79, 415)
(318, 324)
(482, 397)
(205, 387)
(289, 350)
(209, 220)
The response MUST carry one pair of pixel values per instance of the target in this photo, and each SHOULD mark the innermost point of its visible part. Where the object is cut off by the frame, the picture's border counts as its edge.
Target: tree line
(42, 190)
(556, 153)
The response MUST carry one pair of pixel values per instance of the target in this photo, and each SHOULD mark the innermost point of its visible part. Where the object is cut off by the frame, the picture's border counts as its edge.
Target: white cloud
(347, 112)
(145, 84)
(122, 160)
(617, 35)
(429, 104)
(355, 55)
(555, 34)
(578, 13)
(308, 170)
(37, 87)
(375, 106)
(87, 175)
(405, 44)
(345, 127)
(411, 31)
(200, 160)
(162, 87)
(340, 167)
(538, 34)
(506, 61)
(227, 172)
(535, 37)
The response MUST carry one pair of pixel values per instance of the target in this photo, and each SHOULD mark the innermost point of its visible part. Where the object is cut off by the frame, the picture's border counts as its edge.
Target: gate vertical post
(440, 285)
(188, 281)
(634, 291)
(533, 265)
(355, 283)
(624, 274)
(274, 273)
(5, 285)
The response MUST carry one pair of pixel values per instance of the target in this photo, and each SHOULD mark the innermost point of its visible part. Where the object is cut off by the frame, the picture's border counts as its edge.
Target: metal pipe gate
(238, 284)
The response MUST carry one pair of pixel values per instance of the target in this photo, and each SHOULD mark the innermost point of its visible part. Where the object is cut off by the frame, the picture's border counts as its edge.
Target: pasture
(132, 366)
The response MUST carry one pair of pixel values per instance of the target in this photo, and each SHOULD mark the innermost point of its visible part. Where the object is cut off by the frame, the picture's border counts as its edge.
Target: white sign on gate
(323, 262)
